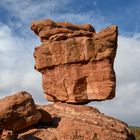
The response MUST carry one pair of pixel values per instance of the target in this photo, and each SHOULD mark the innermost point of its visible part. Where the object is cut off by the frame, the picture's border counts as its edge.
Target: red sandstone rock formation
(18, 111)
(76, 63)
(77, 67)
(78, 122)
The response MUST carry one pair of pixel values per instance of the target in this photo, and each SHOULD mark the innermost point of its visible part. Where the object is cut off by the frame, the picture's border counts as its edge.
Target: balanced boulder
(76, 63)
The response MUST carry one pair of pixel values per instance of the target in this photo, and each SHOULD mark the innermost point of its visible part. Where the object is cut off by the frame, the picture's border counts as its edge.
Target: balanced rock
(78, 122)
(76, 63)
(17, 112)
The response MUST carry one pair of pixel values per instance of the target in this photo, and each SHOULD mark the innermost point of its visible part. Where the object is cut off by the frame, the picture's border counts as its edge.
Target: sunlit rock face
(76, 62)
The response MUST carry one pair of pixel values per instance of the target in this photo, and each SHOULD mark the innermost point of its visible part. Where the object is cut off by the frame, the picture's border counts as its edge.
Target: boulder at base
(18, 111)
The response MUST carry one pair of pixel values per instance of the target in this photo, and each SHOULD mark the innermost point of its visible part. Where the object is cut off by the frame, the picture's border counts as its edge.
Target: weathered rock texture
(77, 122)
(76, 63)
(17, 112)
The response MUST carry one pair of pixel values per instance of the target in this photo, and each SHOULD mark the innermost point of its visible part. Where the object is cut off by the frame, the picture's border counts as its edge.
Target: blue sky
(123, 13)
(17, 44)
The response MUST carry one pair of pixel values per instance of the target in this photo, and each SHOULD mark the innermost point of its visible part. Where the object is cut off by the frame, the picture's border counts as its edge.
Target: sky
(17, 43)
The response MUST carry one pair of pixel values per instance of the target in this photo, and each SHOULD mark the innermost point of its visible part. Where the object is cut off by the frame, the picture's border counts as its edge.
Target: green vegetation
(135, 131)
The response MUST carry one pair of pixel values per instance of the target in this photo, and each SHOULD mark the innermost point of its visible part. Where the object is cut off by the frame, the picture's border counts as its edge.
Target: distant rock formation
(77, 67)
(76, 63)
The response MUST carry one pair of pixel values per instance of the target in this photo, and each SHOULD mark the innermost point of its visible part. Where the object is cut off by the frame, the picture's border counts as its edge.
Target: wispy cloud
(16, 65)
(30, 9)
(24, 12)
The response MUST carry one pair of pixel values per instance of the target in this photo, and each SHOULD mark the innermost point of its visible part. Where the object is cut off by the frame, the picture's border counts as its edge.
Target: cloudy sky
(17, 44)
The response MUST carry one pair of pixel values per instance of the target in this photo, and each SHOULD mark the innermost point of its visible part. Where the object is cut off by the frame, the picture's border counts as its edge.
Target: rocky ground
(21, 119)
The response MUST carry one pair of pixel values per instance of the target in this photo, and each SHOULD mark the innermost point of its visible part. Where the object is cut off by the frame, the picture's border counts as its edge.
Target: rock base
(78, 122)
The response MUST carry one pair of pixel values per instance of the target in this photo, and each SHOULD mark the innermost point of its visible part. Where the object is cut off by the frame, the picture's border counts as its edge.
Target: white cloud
(17, 65)
(27, 11)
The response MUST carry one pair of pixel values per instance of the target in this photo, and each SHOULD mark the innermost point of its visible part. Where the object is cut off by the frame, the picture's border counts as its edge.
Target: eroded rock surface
(47, 28)
(78, 122)
(17, 112)
(76, 63)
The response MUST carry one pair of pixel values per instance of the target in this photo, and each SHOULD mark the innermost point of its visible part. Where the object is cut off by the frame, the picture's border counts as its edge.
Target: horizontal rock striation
(76, 63)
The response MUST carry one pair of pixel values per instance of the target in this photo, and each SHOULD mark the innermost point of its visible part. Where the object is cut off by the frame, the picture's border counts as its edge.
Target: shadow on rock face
(30, 137)
(46, 117)
(131, 137)
(55, 122)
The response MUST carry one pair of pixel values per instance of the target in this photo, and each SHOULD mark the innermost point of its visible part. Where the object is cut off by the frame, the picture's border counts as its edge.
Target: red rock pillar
(76, 63)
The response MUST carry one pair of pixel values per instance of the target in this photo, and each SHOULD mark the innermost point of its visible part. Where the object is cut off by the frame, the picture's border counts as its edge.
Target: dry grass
(136, 132)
